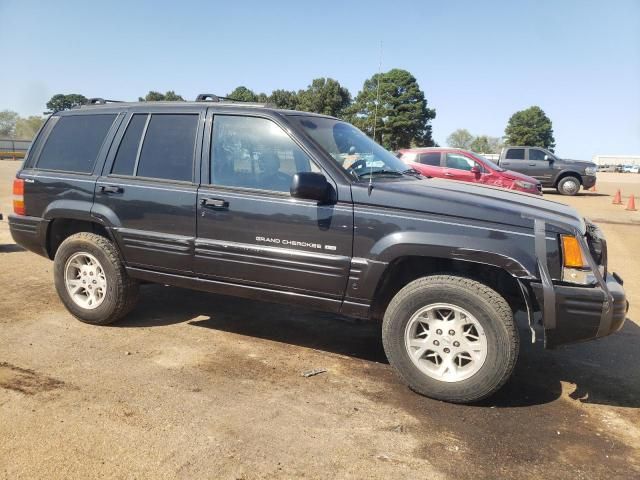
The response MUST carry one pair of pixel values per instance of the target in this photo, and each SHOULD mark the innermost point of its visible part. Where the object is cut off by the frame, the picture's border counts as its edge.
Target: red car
(466, 166)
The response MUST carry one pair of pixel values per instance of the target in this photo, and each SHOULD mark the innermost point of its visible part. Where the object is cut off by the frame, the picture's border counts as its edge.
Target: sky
(477, 62)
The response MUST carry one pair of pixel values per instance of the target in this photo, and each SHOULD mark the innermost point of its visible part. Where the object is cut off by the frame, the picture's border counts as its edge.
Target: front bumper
(584, 313)
(588, 181)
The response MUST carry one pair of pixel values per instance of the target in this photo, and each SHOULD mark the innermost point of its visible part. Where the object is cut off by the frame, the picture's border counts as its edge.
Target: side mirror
(475, 170)
(548, 158)
(310, 186)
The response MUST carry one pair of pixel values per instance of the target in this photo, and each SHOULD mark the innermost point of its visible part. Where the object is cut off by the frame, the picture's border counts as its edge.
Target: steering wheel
(357, 165)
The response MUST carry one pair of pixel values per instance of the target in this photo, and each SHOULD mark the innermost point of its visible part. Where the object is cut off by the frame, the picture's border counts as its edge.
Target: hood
(470, 201)
(510, 174)
(578, 163)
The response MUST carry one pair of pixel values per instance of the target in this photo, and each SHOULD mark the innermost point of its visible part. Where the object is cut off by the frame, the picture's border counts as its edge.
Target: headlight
(525, 185)
(590, 170)
(575, 268)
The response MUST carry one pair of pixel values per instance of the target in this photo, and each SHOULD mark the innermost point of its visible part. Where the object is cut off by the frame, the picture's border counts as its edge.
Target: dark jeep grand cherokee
(293, 207)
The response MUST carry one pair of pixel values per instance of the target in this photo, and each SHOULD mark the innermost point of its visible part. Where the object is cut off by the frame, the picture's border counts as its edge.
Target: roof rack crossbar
(100, 101)
(208, 97)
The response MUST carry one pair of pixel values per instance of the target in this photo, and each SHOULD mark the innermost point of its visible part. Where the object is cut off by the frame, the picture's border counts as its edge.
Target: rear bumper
(29, 232)
(588, 181)
(584, 313)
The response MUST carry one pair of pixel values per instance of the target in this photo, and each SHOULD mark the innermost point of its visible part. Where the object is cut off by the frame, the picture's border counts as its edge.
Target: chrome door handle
(111, 189)
(214, 203)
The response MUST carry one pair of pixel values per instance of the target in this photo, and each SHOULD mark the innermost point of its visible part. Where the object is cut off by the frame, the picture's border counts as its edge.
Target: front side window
(431, 158)
(168, 147)
(350, 148)
(460, 162)
(251, 152)
(74, 143)
(535, 154)
(515, 154)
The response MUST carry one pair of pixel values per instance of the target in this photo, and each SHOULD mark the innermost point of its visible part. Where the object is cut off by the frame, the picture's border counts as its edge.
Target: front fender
(517, 257)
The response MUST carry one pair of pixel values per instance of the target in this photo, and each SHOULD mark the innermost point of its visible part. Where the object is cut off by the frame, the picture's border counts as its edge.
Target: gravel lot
(193, 385)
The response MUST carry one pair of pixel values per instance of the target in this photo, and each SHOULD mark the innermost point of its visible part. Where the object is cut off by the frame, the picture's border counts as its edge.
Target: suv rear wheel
(450, 338)
(568, 185)
(91, 280)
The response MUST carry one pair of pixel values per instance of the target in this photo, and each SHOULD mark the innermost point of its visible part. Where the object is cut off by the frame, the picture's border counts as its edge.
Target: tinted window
(254, 152)
(535, 154)
(128, 150)
(460, 162)
(74, 143)
(167, 150)
(432, 159)
(515, 154)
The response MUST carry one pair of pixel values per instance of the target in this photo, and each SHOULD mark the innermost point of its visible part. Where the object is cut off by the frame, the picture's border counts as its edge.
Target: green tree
(403, 118)
(461, 138)
(61, 101)
(284, 99)
(26, 128)
(486, 144)
(326, 96)
(243, 94)
(154, 96)
(530, 127)
(8, 120)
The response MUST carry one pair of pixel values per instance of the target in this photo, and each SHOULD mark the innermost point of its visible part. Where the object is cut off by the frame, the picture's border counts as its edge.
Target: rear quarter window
(74, 143)
(515, 154)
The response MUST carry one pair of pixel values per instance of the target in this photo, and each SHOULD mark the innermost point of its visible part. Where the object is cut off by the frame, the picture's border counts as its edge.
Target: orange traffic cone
(632, 204)
(617, 200)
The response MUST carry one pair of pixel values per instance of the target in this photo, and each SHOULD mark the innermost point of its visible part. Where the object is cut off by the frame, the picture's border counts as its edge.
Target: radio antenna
(375, 117)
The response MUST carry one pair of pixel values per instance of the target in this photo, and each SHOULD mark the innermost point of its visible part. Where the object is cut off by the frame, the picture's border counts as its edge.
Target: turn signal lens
(18, 197)
(571, 252)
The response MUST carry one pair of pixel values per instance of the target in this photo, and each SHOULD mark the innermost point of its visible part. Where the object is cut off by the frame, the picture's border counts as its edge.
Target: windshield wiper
(379, 172)
(413, 171)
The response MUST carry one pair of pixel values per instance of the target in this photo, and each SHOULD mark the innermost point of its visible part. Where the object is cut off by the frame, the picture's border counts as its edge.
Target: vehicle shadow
(606, 371)
(582, 193)
(10, 248)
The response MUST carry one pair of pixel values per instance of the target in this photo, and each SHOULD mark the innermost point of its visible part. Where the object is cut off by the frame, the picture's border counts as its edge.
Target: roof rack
(208, 97)
(98, 101)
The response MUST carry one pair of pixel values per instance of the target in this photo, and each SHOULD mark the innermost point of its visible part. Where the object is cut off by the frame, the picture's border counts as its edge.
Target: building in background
(616, 159)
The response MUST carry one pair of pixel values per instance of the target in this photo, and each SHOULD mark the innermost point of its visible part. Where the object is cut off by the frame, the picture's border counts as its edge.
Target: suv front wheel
(569, 185)
(91, 280)
(450, 338)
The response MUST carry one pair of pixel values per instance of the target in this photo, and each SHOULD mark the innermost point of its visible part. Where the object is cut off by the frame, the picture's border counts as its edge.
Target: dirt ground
(193, 385)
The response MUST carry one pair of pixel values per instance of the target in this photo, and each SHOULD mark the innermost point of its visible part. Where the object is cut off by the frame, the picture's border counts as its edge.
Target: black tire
(121, 292)
(488, 307)
(569, 185)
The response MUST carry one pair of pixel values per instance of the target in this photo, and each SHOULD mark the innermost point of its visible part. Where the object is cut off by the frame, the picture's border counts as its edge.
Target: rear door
(250, 230)
(431, 164)
(148, 187)
(515, 159)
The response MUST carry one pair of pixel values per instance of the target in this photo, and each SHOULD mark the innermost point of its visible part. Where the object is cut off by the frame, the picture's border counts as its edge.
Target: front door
(539, 168)
(458, 167)
(250, 230)
(148, 188)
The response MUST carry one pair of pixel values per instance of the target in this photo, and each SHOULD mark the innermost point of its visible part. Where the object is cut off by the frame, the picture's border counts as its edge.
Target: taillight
(18, 196)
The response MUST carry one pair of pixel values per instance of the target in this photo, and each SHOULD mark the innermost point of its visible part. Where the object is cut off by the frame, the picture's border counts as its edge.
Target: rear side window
(168, 147)
(74, 143)
(515, 154)
(128, 150)
(432, 159)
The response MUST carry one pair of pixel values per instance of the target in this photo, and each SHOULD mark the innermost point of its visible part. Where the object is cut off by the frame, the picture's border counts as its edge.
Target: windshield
(350, 148)
(488, 163)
